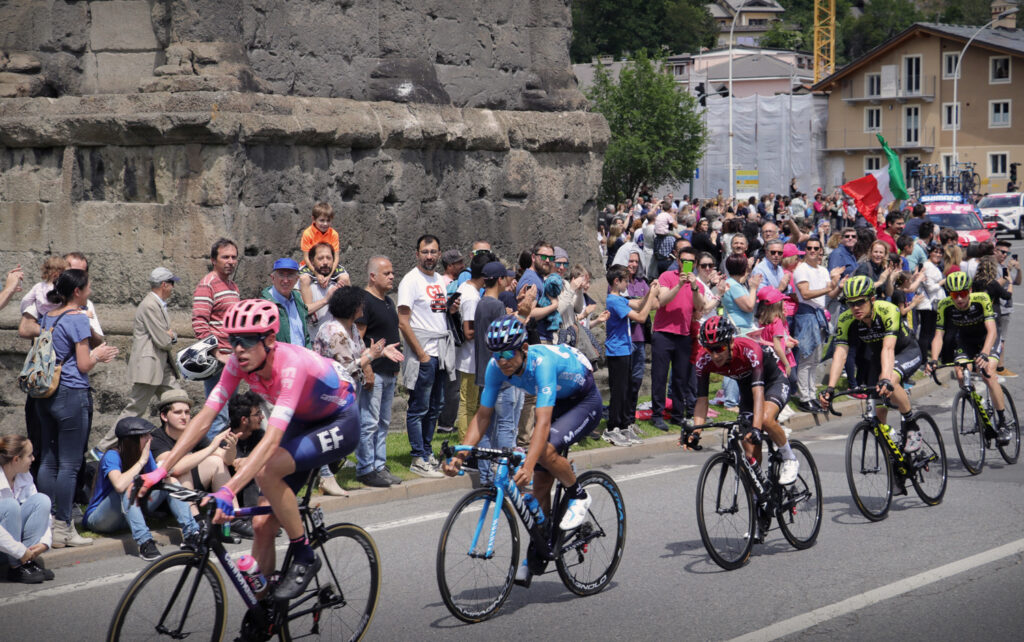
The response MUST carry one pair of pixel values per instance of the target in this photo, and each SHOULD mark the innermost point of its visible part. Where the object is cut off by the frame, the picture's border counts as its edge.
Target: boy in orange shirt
(321, 232)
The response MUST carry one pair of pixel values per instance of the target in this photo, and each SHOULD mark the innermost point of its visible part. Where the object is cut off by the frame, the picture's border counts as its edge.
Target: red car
(963, 218)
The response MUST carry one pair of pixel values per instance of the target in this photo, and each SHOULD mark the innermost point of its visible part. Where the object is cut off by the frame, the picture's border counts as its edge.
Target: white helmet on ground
(198, 361)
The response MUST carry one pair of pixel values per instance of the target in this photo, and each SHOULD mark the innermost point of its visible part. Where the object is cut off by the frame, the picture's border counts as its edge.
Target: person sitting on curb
(24, 514)
(245, 416)
(112, 508)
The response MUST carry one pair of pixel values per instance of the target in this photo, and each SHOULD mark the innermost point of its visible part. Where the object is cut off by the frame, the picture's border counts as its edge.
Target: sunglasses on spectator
(506, 355)
(246, 341)
(1002, 251)
(849, 236)
(813, 248)
(707, 266)
(545, 257)
(775, 252)
(562, 264)
(476, 252)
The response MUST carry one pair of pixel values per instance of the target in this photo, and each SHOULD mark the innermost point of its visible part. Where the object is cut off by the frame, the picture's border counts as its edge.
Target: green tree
(882, 19)
(618, 27)
(783, 36)
(657, 135)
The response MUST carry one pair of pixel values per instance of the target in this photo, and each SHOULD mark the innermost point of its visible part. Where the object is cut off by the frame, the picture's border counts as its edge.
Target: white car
(1006, 211)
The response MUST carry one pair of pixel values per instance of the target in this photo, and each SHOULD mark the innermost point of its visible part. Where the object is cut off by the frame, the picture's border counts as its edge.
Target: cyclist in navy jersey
(568, 408)
(764, 388)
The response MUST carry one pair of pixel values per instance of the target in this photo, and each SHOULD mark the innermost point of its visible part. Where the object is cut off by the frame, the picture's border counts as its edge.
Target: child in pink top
(774, 330)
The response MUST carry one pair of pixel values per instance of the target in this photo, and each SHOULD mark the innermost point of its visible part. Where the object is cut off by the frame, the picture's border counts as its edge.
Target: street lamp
(956, 78)
(732, 169)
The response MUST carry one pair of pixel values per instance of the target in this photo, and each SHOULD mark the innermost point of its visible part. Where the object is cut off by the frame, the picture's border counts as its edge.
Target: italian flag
(873, 193)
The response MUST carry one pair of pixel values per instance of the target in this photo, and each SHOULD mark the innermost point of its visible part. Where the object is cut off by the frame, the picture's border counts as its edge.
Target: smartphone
(685, 267)
(1014, 256)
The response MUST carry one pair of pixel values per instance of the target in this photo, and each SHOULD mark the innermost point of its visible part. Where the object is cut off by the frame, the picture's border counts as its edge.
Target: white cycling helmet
(197, 362)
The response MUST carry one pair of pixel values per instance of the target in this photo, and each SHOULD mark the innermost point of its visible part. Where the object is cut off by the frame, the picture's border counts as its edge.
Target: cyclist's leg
(905, 364)
(776, 396)
(264, 530)
(572, 420)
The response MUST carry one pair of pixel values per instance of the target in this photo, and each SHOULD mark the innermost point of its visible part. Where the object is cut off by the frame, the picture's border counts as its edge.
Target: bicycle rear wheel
(725, 512)
(341, 600)
(800, 506)
(1011, 451)
(180, 595)
(587, 557)
(473, 583)
(869, 472)
(968, 433)
(929, 464)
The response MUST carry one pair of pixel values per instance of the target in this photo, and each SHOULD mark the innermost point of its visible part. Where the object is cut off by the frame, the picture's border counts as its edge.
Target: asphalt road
(952, 571)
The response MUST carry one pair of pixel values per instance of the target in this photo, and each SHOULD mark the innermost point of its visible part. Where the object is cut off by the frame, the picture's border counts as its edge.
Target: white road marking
(881, 594)
(408, 521)
(68, 588)
(828, 438)
(652, 472)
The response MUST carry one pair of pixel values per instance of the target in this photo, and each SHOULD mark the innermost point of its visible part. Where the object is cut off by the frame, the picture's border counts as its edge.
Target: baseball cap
(770, 295)
(791, 250)
(285, 264)
(133, 426)
(174, 395)
(451, 257)
(494, 270)
(162, 274)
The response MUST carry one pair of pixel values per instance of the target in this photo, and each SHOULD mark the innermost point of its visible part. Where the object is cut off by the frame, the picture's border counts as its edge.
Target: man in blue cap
(294, 314)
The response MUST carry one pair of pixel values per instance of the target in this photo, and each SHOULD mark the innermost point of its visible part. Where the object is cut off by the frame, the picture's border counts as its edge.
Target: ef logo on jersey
(330, 439)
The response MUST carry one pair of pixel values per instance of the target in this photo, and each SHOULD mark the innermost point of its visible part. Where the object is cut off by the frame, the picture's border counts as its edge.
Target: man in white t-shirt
(469, 393)
(813, 284)
(430, 351)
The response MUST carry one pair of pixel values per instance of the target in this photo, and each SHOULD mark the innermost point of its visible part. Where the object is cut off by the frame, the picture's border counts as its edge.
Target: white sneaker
(616, 437)
(575, 513)
(434, 462)
(913, 441)
(788, 471)
(423, 468)
(523, 572)
(785, 414)
(632, 434)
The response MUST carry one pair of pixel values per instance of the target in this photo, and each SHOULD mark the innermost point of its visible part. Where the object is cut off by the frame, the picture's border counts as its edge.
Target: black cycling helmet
(506, 333)
(716, 330)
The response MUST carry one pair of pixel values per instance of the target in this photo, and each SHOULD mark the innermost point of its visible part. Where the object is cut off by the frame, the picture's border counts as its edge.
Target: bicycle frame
(967, 385)
(881, 430)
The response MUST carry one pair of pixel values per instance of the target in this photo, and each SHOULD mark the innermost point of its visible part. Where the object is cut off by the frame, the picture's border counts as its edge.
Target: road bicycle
(478, 552)
(973, 425)
(736, 498)
(877, 467)
(182, 594)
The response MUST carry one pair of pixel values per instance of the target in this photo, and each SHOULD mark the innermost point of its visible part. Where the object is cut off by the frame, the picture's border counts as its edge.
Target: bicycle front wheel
(968, 433)
(341, 600)
(1011, 451)
(869, 472)
(928, 465)
(800, 505)
(474, 581)
(588, 556)
(180, 595)
(725, 512)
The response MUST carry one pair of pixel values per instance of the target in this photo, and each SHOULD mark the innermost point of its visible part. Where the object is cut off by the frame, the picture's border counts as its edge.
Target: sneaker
(1004, 435)
(660, 424)
(375, 479)
(859, 395)
(393, 478)
(148, 550)
(523, 575)
(575, 513)
(785, 414)
(38, 564)
(788, 471)
(616, 437)
(26, 573)
(296, 579)
(633, 434)
(329, 486)
(446, 429)
(1006, 372)
(808, 406)
(913, 441)
(423, 468)
(242, 527)
(434, 462)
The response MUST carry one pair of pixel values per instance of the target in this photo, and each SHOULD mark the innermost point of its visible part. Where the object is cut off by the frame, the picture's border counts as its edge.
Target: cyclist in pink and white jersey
(314, 421)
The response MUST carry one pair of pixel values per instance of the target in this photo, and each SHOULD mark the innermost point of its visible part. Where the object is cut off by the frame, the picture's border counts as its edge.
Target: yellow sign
(746, 181)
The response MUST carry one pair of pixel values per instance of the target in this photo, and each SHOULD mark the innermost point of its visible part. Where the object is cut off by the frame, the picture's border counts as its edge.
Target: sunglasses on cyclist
(855, 303)
(506, 355)
(246, 341)
(962, 294)
(718, 348)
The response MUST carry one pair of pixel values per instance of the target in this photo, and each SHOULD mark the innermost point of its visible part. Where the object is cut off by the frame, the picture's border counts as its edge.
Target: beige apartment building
(903, 90)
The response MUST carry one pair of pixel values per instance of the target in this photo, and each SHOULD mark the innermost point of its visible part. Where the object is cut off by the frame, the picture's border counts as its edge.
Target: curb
(115, 545)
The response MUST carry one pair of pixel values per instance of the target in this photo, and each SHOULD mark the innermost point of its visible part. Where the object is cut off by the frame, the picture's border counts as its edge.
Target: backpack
(40, 376)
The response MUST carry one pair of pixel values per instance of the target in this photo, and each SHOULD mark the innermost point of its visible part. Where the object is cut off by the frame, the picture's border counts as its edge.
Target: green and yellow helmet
(858, 287)
(957, 282)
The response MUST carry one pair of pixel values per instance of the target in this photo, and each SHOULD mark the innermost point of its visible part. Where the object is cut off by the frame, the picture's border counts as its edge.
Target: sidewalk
(108, 547)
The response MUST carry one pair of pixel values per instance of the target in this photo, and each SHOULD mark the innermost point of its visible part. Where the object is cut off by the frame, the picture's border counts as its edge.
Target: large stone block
(122, 72)
(121, 26)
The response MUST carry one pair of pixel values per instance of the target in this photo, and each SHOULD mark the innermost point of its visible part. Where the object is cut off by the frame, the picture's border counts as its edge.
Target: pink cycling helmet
(252, 316)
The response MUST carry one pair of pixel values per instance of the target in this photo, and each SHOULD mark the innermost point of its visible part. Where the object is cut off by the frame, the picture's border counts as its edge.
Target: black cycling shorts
(317, 444)
(970, 347)
(906, 363)
(575, 417)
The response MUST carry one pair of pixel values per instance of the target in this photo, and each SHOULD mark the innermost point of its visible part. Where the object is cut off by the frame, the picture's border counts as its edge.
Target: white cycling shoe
(575, 513)
(788, 471)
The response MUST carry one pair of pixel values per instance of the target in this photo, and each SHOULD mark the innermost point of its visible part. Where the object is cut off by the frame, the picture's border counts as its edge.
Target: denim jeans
(730, 392)
(117, 511)
(636, 379)
(26, 523)
(425, 403)
(374, 419)
(64, 429)
(220, 422)
(504, 426)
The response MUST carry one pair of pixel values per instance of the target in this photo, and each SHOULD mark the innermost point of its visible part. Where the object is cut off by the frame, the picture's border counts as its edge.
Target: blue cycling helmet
(506, 333)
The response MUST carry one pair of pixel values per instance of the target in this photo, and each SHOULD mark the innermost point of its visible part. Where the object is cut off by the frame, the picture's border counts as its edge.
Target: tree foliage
(657, 135)
(783, 36)
(619, 27)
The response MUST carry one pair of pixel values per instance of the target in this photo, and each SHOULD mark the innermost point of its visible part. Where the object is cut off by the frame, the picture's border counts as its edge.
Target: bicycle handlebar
(869, 390)
(959, 363)
(515, 457)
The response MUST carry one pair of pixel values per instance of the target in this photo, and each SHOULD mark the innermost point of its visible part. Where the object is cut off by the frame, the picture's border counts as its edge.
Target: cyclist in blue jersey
(568, 409)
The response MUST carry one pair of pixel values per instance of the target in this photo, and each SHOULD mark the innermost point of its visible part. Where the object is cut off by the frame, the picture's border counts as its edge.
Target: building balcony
(856, 92)
(852, 140)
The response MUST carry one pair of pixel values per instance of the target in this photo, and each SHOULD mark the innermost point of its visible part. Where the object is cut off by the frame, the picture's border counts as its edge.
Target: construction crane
(824, 38)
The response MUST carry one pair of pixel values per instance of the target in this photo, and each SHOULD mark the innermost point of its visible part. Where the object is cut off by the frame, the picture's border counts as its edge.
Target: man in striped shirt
(214, 295)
